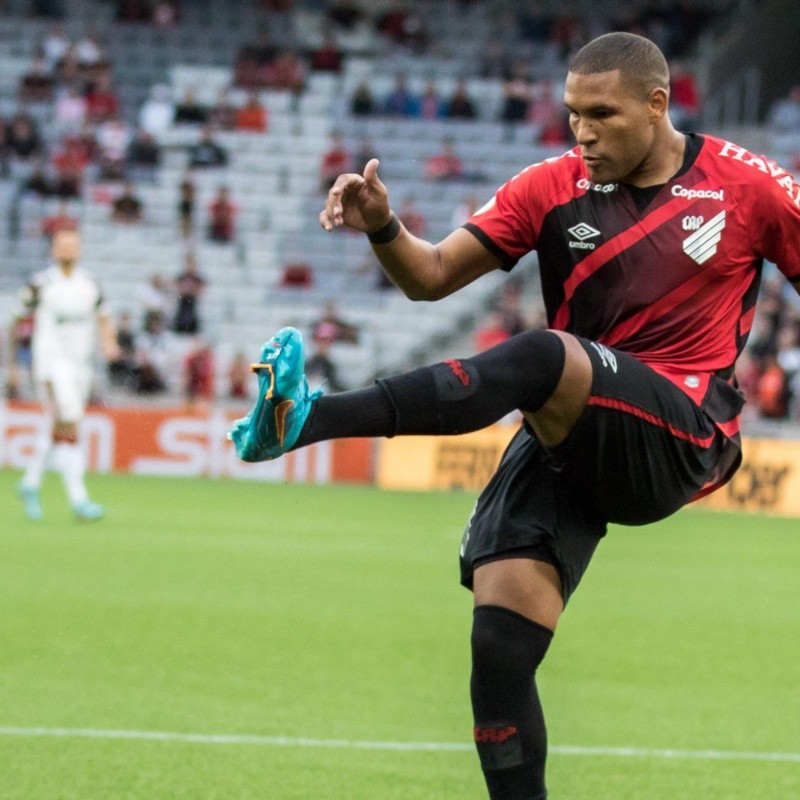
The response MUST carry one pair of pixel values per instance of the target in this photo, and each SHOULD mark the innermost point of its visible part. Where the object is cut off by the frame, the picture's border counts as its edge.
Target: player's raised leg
(544, 374)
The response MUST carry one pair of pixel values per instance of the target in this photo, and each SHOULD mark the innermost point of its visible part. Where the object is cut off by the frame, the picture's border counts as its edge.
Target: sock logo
(494, 735)
(458, 370)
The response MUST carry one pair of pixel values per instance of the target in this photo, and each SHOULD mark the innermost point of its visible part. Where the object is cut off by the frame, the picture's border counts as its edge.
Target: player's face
(614, 128)
(66, 246)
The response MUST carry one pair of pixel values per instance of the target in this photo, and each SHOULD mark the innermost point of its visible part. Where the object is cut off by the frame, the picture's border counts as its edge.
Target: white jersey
(66, 308)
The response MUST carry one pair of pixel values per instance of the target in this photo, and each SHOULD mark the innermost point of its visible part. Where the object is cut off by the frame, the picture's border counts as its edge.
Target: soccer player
(68, 312)
(650, 246)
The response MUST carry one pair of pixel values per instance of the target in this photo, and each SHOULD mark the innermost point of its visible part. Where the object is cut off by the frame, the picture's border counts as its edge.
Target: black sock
(510, 732)
(447, 398)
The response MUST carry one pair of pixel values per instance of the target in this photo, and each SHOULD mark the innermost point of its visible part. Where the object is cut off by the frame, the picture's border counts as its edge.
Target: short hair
(640, 62)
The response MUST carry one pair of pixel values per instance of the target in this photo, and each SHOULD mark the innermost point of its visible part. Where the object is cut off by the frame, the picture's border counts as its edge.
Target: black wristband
(387, 233)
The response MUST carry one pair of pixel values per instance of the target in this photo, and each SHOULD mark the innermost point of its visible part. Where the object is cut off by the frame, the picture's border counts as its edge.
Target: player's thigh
(67, 389)
(642, 448)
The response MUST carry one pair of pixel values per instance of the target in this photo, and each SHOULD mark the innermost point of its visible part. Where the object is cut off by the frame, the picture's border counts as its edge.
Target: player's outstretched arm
(423, 271)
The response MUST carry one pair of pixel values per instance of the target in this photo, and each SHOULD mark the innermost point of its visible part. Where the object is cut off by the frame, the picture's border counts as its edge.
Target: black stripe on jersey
(795, 281)
(507, 261)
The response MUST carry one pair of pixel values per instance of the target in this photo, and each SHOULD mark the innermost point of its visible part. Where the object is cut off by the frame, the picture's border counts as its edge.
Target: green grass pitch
(334, 613)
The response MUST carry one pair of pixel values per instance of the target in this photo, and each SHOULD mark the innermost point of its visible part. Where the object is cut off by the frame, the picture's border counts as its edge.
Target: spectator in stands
(400, 102)
(328, 57)
(69, 161)
(784, 115)
(684, 97)
(37, 85)
(490, 332)
(133, 11)
(122, 371)
(516, 95)
(252, 59)
(20, 364)
(154, 353)
(403, 26)
(36, 182)
(127, 207)
(222, 115)
(70, 110)
(154, 296)
(221, 217)
(509, 307)
(61, 220)
(494, 61)
(189, 111)
(460, 105)
(207, 152)
(198, 373)
(113, 139)
(189, 287)
(464, 210)
(144, 156)
(335, 160)
(187, 198)
(331, 327)
(444, 165)
(90, 52)
(772, 393)
(364, 153)
(165, 14)
(412, 217)
(101, 101)
(543, 105)
(69, 72)
(239, 377)
(157, 112)
(53, 9)
(285, 71)
(362, 103)
(345, 14)
(320, 369)
(23, 144)
(556, 130)
(55, 46)
(252, 116)
(430, 104)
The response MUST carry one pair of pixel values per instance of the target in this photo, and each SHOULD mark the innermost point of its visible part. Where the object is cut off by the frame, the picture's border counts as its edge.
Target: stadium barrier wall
(442, 462)
(181, 442)
(768, 480)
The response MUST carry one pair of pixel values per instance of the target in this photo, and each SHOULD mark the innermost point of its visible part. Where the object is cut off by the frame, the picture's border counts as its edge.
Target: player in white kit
(68, 315)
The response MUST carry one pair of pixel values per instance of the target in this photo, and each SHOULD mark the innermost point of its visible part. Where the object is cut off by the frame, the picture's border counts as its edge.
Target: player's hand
(360, 202)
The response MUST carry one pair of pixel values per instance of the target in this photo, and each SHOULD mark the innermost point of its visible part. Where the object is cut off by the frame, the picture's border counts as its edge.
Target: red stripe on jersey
(613, 247)
(628, 408)
(746, 321)
(668, 302)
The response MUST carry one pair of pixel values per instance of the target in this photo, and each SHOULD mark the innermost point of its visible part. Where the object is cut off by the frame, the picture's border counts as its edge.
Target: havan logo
(582, 232)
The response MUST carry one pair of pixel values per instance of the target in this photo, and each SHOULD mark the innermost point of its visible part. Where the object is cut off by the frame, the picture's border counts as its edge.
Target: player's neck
(665, 161)
(66, 267)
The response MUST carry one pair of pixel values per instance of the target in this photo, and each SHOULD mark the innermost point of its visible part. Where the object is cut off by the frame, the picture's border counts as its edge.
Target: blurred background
(191, 143)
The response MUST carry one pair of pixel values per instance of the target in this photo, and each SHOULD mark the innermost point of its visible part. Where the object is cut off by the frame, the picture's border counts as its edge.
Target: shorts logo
(607, 357)
(702, 244)
(582, 232)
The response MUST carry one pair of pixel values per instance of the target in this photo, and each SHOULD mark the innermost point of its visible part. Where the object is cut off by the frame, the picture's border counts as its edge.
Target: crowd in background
(95, 143)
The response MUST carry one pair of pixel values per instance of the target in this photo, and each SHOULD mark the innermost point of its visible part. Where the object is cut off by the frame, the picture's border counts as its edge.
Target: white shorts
(66, 390)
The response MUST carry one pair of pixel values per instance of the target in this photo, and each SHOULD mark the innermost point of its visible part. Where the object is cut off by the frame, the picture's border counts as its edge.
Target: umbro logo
(702, 244)
(582, 232)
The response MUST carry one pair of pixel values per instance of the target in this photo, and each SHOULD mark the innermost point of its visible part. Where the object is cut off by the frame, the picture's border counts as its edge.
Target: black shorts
(640, 450)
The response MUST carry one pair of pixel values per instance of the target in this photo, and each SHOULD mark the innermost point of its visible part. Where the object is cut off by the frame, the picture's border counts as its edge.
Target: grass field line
(355, 744)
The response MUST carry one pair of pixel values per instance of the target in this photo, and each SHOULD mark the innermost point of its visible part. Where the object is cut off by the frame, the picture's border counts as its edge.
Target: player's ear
(657, 103)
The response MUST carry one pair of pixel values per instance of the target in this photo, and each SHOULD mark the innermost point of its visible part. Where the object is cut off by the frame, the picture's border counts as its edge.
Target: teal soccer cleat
(274, 423)
(30, 499)
(87, 511)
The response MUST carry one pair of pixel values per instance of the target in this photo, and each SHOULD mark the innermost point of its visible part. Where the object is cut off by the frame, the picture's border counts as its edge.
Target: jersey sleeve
(508, 225)
(776, 218)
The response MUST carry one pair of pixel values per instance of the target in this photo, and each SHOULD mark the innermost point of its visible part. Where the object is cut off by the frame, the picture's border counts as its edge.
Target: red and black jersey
(669, 274)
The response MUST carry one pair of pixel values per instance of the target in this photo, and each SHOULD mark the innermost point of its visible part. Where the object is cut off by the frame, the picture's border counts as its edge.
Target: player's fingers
(334, 207)
(371, 170)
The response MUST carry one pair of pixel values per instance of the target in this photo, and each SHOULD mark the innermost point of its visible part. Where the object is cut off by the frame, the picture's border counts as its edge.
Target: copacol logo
(582, 232)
